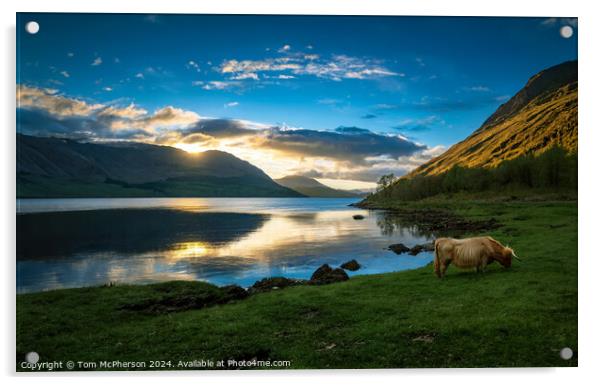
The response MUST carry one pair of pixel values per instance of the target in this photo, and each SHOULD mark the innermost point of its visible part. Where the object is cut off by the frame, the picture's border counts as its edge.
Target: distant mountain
(313, 188)
(542, 114)
(53, 167)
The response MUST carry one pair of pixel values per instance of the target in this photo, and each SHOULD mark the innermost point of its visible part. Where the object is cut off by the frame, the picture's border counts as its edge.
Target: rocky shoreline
(435, 222)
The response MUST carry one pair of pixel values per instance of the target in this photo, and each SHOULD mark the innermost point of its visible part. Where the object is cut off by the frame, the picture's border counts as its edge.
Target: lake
(64, 243)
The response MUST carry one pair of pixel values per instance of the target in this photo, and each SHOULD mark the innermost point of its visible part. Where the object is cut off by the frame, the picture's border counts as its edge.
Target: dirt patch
(170, 302)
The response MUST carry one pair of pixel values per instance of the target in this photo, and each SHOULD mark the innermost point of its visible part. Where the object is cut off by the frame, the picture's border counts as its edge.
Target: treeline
(554, 169)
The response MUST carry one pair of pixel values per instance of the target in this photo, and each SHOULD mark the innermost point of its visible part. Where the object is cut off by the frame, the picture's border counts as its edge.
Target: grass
(514, 317)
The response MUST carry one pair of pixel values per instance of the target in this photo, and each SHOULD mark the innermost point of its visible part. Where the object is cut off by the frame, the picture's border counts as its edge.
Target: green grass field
(516, 317)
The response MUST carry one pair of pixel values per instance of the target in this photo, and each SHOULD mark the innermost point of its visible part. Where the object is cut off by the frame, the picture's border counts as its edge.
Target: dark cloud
(39, 122)
(419, 125)
(220, 128)
(351, 130)
(344, 143)
(353, 147)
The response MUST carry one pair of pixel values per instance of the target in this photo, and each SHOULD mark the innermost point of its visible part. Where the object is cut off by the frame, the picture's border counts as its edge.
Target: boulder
(399, 248)
(430, 246)
(269, 284)
(415, 250)
(326, 274)
(358, 217)
(352, 265)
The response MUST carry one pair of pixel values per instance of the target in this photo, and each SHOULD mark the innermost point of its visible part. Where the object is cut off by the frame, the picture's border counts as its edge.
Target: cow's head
(507, 256)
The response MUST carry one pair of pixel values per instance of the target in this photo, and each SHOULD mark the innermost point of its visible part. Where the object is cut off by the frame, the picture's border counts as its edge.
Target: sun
(192, 148)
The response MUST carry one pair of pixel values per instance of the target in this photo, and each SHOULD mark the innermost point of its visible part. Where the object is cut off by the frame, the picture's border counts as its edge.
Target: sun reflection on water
(186, 250)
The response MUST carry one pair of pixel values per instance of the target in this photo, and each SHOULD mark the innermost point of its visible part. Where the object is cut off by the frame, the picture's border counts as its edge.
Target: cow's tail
(436, 263)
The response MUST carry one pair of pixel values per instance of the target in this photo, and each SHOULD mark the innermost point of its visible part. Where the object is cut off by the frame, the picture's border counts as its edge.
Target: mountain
(313, 188)
(541, 115)
(53, 167)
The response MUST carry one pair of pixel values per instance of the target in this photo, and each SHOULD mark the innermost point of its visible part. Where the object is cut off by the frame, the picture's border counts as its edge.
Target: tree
(385, 181)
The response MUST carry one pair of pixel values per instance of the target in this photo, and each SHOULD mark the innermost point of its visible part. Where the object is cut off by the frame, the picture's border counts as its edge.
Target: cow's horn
(515, 256)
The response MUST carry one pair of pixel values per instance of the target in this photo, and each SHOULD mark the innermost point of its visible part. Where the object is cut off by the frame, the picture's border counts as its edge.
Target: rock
(399, 248)
(269, 284)
(326, 274)
(358, 217)
(430, 246)
(415, 250)
(351, 265)
(234, 292)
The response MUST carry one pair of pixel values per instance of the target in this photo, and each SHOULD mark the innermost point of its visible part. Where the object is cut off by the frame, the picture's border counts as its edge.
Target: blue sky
(423, 82)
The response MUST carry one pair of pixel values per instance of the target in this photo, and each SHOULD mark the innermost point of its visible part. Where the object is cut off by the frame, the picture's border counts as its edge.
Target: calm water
(85, 242)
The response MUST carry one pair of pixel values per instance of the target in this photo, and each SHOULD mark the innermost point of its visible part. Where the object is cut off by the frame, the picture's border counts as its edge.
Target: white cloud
(140, 75)
(70, 54)
(193, 65)
(107, 89)
(97, 61)
(246, 75)
(216, 84)
(231, 104)
(479, 88)
(51, 101)
(65, 74)
(336, 68)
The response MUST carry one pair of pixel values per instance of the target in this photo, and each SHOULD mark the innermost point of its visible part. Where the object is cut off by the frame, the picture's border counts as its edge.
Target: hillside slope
(312, 188)
(542, 114)
(52, 167)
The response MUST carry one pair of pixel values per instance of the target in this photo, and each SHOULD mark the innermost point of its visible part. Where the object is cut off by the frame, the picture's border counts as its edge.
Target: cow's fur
(470, 253)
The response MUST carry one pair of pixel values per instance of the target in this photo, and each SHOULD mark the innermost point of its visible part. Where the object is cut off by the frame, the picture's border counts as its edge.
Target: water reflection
(391, 224)
(83, 248)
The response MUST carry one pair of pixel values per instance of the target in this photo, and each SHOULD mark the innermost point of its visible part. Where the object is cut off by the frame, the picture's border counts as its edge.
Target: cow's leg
(444, 267)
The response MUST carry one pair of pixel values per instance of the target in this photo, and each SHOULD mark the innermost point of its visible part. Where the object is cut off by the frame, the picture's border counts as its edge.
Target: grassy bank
(520, 316)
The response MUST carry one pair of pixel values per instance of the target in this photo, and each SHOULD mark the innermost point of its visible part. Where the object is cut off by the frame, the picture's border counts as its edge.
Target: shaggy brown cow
(470, 253)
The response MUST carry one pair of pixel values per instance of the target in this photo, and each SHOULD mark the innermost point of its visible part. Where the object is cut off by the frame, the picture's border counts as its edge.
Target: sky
(343, 99)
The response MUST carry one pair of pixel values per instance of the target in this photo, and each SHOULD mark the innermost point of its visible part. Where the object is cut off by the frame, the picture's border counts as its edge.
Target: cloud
(47, 99)
(369, 116)
(65, 74)
(70, 54)
(217, 84)
(336, 67)
(285, 48)
(349, 144)
(231, 104)
(107, 89)
(351, 130)
(139, 75)
(193, 65)
(45, 112)
(419, 125)
(97, 61)
(246, 75)
(478, 89)
(346, 152)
